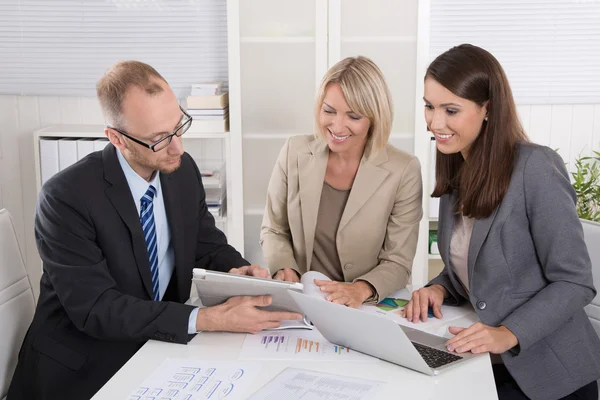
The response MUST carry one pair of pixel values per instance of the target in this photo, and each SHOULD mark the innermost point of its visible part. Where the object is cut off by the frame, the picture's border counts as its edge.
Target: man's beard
(144, 162)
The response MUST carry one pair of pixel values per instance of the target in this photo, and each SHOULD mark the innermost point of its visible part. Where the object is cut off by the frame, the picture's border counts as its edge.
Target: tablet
(216, 287)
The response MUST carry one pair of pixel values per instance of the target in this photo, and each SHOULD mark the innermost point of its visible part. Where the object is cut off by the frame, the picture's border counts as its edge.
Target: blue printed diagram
(186, 381)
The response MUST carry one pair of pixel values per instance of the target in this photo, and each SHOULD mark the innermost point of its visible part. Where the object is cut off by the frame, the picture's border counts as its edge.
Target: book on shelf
(207, 85)
(206, 92)
(209, 126)
(210, 117)
(209, 112)
(212, 181)
(215, 211)
(218, 101)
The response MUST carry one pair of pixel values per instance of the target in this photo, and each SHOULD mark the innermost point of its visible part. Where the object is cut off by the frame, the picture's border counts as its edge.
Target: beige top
(459, 247)
(325, 254)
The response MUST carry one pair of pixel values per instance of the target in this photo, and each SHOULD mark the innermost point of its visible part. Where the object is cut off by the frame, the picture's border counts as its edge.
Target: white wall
(573, 130)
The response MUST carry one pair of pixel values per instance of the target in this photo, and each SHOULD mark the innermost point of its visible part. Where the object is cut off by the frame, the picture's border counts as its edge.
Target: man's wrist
(206, 320)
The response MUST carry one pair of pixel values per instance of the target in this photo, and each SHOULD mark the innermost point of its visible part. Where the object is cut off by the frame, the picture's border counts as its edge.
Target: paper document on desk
(393, 305)
(296, 384)
(184, 379)
(307, 345)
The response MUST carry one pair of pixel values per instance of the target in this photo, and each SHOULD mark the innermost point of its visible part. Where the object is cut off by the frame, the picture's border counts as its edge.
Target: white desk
(472, 380)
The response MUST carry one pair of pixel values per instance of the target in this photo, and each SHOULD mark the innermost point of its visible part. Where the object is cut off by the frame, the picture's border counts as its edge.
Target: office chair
(16, 301)
(591, 232)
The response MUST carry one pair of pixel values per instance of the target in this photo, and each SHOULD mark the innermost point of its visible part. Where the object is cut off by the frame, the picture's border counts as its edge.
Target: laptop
(379, 336)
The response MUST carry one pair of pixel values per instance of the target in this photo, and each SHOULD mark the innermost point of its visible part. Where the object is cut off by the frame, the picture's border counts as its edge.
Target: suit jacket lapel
(311, 167)
(481, 228)
(368, 178)
(173, 210)
(448, 221)
(119, 195)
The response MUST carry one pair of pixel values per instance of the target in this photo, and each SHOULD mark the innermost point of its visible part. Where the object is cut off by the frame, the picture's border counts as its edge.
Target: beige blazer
(377, 235)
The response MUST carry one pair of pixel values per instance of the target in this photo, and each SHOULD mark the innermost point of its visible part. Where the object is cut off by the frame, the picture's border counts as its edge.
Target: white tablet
(216, 287)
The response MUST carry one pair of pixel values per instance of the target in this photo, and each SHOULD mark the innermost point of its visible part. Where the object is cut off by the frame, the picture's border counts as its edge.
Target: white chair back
(16, 300)
(591, 232)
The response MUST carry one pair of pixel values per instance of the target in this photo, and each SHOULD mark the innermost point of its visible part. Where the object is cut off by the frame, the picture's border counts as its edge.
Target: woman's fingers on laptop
(480, 338)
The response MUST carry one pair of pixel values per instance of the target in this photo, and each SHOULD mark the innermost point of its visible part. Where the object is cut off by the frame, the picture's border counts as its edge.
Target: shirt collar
(137, 184)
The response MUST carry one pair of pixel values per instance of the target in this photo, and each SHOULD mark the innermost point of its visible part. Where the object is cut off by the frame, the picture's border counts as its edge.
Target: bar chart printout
(293, 384)
(304, 345)
(183, 379)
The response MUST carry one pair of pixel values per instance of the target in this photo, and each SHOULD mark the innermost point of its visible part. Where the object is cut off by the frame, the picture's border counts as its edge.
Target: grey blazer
(530, 271)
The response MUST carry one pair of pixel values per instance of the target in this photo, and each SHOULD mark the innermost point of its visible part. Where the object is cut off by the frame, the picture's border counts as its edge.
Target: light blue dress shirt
(166, 255)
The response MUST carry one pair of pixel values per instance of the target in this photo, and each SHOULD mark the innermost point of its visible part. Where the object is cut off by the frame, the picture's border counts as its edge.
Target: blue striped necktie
(147, 220)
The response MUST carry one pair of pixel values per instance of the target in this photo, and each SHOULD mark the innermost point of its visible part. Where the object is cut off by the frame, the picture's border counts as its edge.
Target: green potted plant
(586, 182)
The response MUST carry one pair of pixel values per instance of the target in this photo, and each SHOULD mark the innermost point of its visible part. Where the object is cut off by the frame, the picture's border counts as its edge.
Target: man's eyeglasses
(164, 142)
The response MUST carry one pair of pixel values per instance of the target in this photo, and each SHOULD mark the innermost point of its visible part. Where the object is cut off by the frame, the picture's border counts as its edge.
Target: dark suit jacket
(530, 271)
(95, 309)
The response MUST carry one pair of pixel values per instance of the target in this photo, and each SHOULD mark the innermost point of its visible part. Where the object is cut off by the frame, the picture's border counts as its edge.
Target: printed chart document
(304, 345)
(183, 379)
(392, 307)
(292, 384)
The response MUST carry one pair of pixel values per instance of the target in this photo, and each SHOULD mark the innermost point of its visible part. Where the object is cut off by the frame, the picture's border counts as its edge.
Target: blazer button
(481, 305)
(348, 267)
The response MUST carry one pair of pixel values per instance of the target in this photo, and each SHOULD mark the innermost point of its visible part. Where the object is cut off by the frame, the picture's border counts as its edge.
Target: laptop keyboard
(435, 358)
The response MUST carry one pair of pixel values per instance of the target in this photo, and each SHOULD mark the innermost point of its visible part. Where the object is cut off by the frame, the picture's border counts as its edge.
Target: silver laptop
(379, 336)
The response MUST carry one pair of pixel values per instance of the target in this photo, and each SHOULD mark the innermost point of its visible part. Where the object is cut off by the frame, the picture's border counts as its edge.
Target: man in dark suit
(119, 234)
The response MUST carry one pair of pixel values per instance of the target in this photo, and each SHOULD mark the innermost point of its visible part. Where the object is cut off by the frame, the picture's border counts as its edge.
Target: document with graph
(393, 307)
(302, 384)
(305, 345)
(187, 379)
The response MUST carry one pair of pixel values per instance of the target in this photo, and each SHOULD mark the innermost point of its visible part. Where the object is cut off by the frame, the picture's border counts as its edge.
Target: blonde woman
(344, 202)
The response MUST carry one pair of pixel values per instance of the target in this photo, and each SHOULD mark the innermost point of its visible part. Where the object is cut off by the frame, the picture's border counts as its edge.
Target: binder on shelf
(48, 158)
(67, 153)
(84, 147)
(100, 144)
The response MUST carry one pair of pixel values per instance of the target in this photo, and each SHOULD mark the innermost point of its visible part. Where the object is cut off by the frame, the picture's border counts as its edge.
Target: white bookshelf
(193, 144)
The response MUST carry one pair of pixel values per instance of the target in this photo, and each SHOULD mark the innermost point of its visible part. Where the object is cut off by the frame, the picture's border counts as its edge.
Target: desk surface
(471, 380)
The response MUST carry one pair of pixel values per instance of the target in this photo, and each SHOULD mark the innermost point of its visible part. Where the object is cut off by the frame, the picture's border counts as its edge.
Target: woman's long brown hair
(482, 181)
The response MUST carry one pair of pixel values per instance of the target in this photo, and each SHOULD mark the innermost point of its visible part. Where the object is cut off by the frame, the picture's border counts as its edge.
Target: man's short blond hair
(113, 86)
(367, 94)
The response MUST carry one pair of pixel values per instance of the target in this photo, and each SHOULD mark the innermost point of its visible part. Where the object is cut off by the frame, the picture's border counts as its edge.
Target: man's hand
(286, 274)
(417, 307)
(481, 338)
(349, 294)
(251, 270)
(240, 314)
